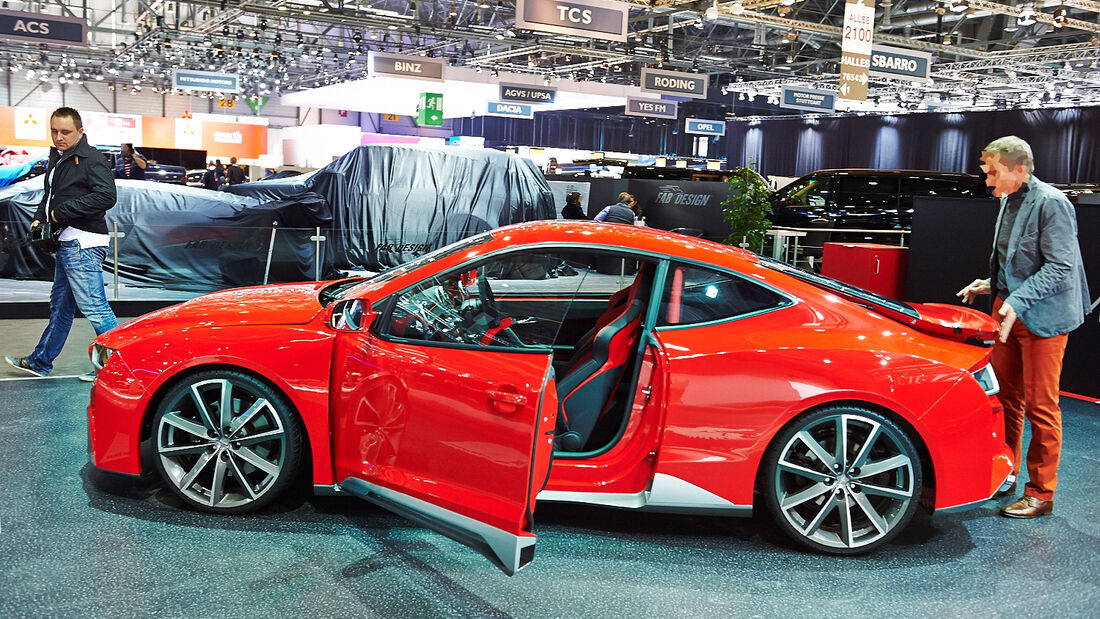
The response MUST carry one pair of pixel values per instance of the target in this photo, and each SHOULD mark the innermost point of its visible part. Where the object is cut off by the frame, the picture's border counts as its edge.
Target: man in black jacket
(80, 189)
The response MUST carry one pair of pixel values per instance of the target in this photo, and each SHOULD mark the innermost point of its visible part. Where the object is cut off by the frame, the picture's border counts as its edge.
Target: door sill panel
(508, 552)
(665, 494)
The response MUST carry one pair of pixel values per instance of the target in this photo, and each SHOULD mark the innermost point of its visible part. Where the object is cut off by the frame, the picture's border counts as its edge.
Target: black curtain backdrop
(1065, 142)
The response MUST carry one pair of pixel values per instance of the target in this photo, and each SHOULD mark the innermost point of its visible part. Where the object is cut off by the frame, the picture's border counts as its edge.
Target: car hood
(952, 322)
(283, 304)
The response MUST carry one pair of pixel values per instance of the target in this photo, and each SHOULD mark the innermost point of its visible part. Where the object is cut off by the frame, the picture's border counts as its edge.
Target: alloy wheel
(845, 481)
(222, 442)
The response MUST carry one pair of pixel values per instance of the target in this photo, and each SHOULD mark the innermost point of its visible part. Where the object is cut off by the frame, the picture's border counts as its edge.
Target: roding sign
(699, 126)
(596, 19)
(41, 28)
(674, 83)
(654, 108)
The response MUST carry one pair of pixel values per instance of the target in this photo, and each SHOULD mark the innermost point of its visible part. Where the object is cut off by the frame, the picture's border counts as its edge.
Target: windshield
(338, 290)
(848, 290)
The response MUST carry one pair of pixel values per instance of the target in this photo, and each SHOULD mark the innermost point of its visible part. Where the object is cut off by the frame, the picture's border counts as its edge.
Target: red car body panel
(710, 397)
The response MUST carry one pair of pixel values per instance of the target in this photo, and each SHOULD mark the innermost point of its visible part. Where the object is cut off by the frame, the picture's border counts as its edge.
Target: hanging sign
(855, 48)
(654, 108)
(257, 104)
(512, 110)
(699, 126)
(429, 112)
(186, 79)
(904, 64)
(527, 94)
(662, 82)
(416, 67)
(591, 19)
(808, 100)
(39, 28)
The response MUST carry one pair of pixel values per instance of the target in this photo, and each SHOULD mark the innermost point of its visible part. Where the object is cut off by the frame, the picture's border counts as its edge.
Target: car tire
(841, 480)
(226, 464)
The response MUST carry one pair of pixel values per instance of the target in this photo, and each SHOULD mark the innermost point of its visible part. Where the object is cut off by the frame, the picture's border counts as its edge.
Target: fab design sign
(39, 28)
(654, 108)
(808, 100)
(674, 83)
(511, 110)
(898, 63)
(416, 67)
(705, 127)
(527, 94)
(594, 19)
(185, 79)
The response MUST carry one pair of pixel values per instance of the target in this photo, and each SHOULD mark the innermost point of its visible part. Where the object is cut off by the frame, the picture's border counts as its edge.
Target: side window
(694, 295)
(867, 191)
(521, 299)
(924, 186)
(809, 192)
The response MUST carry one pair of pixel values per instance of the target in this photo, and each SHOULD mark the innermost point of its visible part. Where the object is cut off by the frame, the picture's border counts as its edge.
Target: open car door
(456, 436)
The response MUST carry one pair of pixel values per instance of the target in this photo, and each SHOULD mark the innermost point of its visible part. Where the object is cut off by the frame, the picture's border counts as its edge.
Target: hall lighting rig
(279, 46)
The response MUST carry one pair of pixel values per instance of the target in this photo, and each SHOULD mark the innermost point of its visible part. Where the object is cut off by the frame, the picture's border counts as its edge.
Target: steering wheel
(491, 308)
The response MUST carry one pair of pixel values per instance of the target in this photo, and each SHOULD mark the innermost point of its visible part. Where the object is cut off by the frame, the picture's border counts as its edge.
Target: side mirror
(350, 315)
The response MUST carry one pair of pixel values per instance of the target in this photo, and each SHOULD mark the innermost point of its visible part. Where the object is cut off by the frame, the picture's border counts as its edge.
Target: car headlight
(100, 354)
(987, 379)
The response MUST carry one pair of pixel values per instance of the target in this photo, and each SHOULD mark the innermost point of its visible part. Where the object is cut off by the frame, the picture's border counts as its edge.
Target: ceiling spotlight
(737, 8)
(958, 6)
(1027, 16)
(782, 10)
(1059, 19)
(712, 12)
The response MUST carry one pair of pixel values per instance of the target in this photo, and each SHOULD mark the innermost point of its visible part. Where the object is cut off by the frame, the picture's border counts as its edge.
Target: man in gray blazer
(1037, 280)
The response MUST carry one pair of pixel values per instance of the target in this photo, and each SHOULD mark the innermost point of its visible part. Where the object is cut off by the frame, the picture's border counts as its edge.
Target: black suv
(866, 199)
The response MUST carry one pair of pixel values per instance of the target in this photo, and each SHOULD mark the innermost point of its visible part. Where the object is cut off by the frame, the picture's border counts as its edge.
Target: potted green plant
(746, 209)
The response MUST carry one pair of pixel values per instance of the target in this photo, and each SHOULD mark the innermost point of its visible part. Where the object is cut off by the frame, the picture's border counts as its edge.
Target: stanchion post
(317, 238)
(270, 249)
(115, 236)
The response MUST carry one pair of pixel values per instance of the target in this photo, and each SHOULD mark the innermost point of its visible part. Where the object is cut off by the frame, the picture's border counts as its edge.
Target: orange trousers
(1028, 367)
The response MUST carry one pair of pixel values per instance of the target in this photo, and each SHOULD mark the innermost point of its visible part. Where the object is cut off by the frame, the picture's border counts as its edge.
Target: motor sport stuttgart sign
(591, 19)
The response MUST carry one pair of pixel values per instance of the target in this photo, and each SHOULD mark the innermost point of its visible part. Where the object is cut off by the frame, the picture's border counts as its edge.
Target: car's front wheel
(226, 442)
(841, 480)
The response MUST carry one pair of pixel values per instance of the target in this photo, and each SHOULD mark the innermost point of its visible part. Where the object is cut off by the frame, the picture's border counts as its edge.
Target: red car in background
(563, 361)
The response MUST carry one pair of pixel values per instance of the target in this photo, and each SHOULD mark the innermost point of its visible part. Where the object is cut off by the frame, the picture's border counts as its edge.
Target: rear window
(853, 292)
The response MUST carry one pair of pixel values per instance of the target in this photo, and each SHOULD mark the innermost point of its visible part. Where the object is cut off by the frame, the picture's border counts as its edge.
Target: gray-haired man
(1037, 277)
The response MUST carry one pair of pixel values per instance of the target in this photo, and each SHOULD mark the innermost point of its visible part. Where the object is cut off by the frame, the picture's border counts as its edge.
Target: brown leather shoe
(1028, 507)
(1010, 491)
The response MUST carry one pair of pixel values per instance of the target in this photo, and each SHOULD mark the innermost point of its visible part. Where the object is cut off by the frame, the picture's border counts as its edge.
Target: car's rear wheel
(842, 480)
(226, 442)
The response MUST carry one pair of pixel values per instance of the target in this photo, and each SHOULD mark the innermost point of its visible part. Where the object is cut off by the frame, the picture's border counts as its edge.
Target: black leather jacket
(83, 188)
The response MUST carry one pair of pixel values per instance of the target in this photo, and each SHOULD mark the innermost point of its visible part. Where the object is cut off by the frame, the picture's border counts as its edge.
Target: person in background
(622, 212)
(130, 164)
(573, 209)
(639, 216)
(234, 175)
(215, 175)
(1037, 281)
(79, 190)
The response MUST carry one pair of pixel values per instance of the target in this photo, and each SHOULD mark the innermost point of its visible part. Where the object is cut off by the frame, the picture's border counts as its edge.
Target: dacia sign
(591, 19)
(527, 94)
(698, 126)
(185, 79)
(898, 63)
(39, 28)
(653, 108)
(674, 83)
(511, 110)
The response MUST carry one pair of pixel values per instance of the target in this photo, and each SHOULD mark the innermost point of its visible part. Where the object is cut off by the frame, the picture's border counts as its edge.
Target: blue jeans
(77, 282)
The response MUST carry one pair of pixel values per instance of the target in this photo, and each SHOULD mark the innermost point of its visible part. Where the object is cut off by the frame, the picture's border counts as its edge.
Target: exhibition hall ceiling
(985, 55)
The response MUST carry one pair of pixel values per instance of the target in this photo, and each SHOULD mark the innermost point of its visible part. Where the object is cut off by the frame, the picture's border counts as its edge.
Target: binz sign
(396, 65)
(653, 108)
(19, 26)
(661, 82)
(591, 19)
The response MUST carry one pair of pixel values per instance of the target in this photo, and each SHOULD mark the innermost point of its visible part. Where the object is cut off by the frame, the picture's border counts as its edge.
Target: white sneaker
(20, 363)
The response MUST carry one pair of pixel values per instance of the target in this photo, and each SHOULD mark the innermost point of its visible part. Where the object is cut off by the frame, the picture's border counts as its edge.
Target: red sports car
(563, 361)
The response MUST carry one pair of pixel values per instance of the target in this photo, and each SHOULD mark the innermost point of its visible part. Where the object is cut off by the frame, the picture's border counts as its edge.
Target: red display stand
(874, 267)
